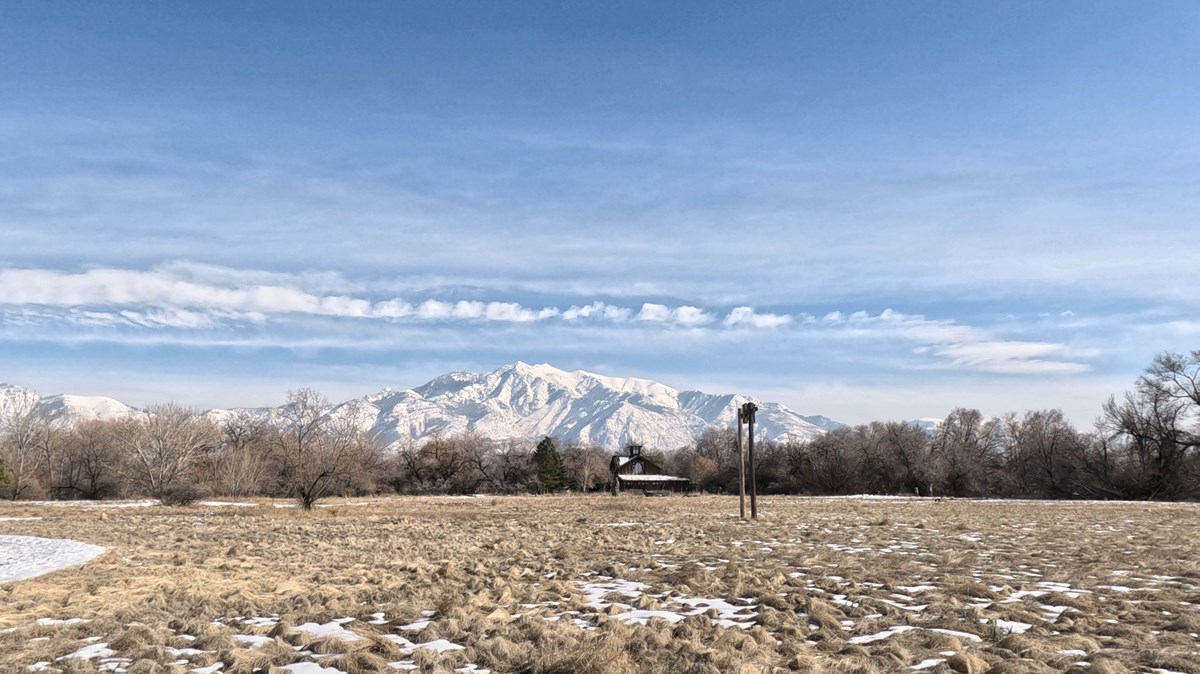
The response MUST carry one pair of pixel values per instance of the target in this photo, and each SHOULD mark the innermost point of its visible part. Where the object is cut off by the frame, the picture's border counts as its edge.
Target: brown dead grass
(501, 574)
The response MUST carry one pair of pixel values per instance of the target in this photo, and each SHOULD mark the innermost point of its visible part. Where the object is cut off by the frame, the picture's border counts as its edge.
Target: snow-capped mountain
(63, 407)
(529, 401)
(15, 400)
(514, 401)
(72, 408)
(928, 424)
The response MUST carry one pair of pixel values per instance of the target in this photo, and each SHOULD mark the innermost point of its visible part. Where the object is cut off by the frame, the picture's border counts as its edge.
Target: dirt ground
(604, 584)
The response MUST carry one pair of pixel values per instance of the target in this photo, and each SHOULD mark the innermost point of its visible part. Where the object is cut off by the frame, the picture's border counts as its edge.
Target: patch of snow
(675, 608)
(60, 621)
(96, 650)
(330, 629)
(89, 505)
(254, 640)
(1012, 626)
(916, 608)
(399, 640)
(311, 668)
(23, 557)
(880, 636)
(439, 645)
(184, 652)
(954, 633)
(926, 664)
(18, 519)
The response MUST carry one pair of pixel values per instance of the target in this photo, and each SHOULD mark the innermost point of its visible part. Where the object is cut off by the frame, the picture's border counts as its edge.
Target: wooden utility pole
(748, 411)
(741, 467)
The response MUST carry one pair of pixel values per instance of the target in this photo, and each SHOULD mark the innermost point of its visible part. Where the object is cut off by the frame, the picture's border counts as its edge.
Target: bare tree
(318, 453)
(585, 466)
(1149, 427)
(241, 464)
(1045, 453)
(826, 461)
(161, 447)
(907, 456)
(967, 450)
(513, 467)
(86, 462)
(21, 433)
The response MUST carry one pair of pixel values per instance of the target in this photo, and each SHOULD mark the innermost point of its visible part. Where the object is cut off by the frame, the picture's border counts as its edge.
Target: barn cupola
(634, 450)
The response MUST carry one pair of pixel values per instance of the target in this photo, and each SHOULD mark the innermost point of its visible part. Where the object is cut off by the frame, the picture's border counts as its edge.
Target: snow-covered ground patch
(880, 636)
(311, 668)
(672, 607)
(96, 650)
(330, 629)
(24, 557)
(88, 505)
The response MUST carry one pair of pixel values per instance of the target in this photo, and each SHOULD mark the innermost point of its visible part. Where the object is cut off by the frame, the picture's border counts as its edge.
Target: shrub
(180, 495)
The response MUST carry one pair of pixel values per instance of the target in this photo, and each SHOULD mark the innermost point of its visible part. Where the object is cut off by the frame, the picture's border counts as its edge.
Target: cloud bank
(186, 301)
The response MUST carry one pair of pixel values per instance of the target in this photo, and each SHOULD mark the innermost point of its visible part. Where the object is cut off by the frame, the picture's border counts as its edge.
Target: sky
(866, 210)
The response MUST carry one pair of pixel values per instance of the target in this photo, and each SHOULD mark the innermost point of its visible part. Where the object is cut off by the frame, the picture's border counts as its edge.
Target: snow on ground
(880, 636)
(88, 505)
(24, 557)
(330, 629)
(336, 628)
(673, 607)
(311, 668)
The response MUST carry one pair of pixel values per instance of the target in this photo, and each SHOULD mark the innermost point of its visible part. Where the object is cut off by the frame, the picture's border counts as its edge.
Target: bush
(181, 495)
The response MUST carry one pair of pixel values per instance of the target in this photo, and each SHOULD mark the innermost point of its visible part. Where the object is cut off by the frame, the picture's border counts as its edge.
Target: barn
(631, 470)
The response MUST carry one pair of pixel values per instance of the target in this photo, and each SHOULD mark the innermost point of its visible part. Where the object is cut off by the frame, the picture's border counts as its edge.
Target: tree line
(1145, 445)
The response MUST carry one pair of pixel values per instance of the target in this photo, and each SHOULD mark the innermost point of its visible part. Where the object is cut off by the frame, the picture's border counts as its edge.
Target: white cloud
(597, 309)
(746, 316)
(686, 316)
(181, 296)
(1010, 357)
(962, 346)
(178, 295)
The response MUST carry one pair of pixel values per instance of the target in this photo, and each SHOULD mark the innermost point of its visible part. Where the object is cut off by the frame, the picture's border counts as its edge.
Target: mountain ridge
(514, 401)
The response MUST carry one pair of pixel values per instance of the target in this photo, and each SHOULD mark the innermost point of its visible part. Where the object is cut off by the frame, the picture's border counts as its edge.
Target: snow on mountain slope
(514, 401)
(15, 400)
(927, 424)
(72, 408)
(529, 401)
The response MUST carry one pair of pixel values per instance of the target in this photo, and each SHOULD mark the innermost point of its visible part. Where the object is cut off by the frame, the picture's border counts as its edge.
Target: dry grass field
(602, 584)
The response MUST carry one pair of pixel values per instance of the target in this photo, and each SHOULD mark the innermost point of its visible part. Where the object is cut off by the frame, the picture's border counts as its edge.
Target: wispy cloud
(183, 300)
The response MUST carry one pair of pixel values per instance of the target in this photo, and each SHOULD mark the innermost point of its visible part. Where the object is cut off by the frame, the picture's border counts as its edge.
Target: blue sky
(864, 210)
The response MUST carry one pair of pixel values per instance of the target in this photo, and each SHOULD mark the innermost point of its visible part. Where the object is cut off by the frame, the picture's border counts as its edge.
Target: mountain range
(514, 401)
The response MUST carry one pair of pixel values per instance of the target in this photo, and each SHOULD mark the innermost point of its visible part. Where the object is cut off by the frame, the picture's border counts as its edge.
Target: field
(603, 584)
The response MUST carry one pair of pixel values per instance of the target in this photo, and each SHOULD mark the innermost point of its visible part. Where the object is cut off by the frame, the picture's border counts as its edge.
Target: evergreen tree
(3, 474)
(548, 465)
